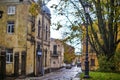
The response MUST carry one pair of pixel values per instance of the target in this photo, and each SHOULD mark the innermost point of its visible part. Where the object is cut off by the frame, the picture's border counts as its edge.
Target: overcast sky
(54, 33)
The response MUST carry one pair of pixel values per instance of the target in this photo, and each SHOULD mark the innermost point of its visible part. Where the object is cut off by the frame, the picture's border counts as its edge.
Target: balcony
(54, 54)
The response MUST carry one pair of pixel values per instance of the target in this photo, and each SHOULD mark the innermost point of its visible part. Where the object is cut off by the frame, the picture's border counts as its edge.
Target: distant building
(57, 53)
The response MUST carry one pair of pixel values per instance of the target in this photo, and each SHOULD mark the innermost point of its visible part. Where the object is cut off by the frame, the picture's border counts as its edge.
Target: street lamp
(86, 6)
(1, 12)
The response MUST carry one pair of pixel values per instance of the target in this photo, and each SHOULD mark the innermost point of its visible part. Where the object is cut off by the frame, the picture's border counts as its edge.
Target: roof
(46, 10)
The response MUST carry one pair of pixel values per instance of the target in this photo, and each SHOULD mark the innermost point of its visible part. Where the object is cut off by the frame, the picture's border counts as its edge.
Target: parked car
(78, 64)
(73, 64)
(64, 65)
(68, 66)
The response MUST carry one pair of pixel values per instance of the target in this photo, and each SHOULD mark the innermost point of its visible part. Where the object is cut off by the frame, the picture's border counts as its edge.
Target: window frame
(10, 27)
(11, 10)
(55, 49)
(92, 62)
(9, 56)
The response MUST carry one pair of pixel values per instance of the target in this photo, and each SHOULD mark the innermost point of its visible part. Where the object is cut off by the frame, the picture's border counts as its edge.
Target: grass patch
(101, 76)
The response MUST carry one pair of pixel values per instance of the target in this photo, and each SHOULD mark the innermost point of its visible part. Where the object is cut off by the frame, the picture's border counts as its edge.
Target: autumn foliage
(69, 54)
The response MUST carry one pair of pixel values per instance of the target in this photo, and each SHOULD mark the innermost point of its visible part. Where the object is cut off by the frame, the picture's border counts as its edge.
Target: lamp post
(86, 6)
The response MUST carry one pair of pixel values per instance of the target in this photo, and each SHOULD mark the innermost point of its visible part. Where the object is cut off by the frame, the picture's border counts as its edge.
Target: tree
(104, 14)
(107, 16)
(69, 53)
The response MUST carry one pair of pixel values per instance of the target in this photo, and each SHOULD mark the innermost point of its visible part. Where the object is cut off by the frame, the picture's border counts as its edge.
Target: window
(46, 32)
(38, 46)
(10, 27)
(45, 57)
(11, 10)
(55, 49)
(9, 56)
(53, 62)
(92, 62)
(39, 28)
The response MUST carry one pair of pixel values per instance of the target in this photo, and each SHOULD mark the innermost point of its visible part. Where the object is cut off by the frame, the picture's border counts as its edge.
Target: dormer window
(11, 10)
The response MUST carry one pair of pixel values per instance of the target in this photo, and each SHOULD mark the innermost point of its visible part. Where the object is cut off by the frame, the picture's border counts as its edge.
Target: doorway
(16, 64)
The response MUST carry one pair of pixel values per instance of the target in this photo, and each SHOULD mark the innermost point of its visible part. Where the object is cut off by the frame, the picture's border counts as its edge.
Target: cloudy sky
(54, 33)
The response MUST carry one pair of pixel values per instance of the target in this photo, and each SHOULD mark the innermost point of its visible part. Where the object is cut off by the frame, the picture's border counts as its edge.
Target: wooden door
(2, 65)
(23, 63)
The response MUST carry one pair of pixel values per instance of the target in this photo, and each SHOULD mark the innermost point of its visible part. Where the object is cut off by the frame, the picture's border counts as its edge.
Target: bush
(106, 65)
(111, 65)
(117, 60)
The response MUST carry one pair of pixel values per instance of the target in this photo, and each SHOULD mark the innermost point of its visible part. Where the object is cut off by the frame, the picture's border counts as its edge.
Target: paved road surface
(62, 74)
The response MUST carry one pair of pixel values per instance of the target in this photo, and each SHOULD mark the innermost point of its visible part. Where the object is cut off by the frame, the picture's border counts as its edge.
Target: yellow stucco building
(92, 57)
(26, 44)
(93, 61)
(57, 53)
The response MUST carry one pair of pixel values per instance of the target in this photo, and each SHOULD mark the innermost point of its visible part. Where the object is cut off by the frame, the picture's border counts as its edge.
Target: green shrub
(117, 60)
(111, 65)
(106, 65)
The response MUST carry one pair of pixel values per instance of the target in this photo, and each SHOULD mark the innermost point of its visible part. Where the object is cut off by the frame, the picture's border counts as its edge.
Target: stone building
(57, 53)
(21, 42)
(93, 61)
(42, 38)
(92, 57)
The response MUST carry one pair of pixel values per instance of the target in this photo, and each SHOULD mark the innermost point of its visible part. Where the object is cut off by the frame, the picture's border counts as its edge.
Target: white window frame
(11, 10)
(10, 27)
(9, 55)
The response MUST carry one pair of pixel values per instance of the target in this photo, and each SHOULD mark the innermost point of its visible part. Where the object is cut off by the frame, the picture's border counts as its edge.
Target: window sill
(10, 14)
(9, 62)
(10, 33)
